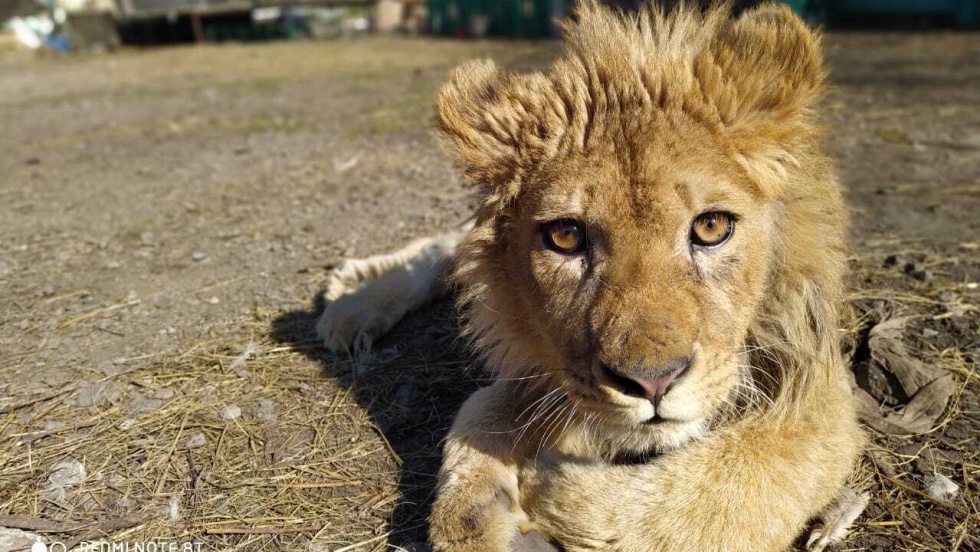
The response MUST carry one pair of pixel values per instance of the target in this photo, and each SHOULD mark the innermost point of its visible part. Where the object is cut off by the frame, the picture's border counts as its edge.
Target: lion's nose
(650, 383)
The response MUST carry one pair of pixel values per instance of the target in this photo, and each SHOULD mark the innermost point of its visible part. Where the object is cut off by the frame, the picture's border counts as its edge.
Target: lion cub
(654, 275)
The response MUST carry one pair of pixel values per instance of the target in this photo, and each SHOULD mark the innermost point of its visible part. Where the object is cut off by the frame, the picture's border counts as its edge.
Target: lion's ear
(497, 123)
(765, 74)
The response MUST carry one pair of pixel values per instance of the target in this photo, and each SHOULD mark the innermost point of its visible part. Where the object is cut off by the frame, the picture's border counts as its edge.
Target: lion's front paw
(352, 322)
(482, 518)
(362, 306)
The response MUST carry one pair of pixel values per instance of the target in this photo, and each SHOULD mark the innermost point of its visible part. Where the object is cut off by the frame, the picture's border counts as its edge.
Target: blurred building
(535, 18)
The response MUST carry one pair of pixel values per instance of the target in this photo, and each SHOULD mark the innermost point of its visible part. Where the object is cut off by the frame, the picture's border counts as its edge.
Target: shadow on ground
(411, 387)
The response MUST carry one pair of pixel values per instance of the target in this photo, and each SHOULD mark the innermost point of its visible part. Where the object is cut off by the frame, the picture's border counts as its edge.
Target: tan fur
(644, 123)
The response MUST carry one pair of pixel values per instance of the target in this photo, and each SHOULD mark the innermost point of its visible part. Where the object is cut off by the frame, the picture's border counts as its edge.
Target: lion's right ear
(497, 123)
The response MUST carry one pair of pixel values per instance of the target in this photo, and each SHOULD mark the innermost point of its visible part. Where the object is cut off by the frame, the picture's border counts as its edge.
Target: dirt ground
(168, 218)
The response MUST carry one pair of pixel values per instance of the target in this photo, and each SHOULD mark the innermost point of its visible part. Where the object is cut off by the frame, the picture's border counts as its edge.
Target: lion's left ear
(764, 75)
(499, 124)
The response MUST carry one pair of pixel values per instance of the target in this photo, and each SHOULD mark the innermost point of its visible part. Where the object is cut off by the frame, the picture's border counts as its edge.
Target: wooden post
(197, 27)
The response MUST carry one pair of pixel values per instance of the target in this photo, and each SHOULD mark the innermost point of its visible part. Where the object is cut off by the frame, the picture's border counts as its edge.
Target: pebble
(941, 487)
(64, 475)
(948, 296)
(199, 256)
(892, 260)
(266, 411)
(196, 440)
(917, 271)
(147, 405)
(15, 539)
(231, 412)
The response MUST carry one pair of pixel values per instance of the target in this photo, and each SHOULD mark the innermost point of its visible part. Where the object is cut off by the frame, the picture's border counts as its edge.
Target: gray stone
(231, 412)
(15, 539)
(195, 440)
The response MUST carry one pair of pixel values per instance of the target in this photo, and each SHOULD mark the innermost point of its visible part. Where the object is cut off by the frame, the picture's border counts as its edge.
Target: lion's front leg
(367, 297)
(750, 488)
(477, 508)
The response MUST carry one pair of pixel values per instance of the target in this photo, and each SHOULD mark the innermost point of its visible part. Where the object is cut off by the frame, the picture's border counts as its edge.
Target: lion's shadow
(411, 387)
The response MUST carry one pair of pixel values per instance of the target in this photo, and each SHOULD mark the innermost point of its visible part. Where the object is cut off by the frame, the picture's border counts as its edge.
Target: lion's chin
(627, 433)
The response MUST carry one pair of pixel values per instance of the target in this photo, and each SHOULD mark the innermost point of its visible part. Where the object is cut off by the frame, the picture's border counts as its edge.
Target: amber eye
(564, 236)
(711, 229)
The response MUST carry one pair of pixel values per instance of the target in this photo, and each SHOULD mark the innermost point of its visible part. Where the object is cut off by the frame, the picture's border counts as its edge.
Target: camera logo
(39, 546)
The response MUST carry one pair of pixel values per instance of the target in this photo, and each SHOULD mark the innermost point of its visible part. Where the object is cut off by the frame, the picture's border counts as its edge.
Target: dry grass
(902, 515)
(284, 477)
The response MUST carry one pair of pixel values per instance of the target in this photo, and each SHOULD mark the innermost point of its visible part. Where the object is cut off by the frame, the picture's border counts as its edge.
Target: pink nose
(652, 384)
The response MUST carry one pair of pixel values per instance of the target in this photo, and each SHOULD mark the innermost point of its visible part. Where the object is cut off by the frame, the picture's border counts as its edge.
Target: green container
(498, 18)
(814, 12)
(966, 12)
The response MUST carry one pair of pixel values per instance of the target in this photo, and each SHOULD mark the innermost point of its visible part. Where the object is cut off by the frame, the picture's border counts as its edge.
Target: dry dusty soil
(168, 218)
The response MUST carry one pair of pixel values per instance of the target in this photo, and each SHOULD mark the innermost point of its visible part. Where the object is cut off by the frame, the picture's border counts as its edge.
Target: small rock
(948, 296)
(147, 405)
(199, 256)
(923, 275)
(266, 411)
(112, 265)
(174, 509)
(941, 487)
(929, 333)
(916, 270)
(214, 300)
(47, 290)
(64, 475)
(32, 161)
(196, 440)
(231, 412)
(127, 424)
(52, 425)
(15, 539)
(892, 260)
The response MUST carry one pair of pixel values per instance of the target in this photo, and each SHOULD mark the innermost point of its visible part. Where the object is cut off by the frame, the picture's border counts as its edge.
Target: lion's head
(660, 234)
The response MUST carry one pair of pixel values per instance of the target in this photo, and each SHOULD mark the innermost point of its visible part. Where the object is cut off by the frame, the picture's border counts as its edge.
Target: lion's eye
(564, 236)
(711, 229)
